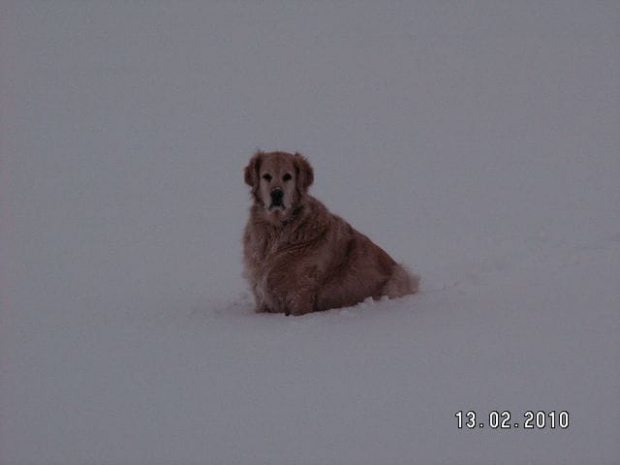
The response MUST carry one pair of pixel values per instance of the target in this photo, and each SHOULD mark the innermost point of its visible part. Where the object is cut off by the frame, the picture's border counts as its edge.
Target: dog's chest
(262, 246)
(270, 246)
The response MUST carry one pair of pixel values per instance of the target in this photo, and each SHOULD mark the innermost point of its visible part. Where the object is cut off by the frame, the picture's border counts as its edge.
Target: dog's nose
(276, 196)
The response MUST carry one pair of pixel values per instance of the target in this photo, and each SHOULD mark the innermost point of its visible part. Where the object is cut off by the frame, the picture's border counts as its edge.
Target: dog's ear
(250, 174)
(304, 172)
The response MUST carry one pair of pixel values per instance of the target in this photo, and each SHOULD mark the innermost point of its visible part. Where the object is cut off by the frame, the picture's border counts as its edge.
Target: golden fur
(301, 258)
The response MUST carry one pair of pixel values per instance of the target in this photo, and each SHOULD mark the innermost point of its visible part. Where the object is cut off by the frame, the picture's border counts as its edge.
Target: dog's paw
(263, 308)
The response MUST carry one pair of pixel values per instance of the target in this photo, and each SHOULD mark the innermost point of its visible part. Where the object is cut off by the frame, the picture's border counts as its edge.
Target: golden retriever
(299, 257)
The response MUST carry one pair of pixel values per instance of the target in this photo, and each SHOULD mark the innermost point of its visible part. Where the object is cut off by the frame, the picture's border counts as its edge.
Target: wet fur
(301, 258)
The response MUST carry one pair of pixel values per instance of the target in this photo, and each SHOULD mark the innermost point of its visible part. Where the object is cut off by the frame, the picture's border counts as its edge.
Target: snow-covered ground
(478, 142)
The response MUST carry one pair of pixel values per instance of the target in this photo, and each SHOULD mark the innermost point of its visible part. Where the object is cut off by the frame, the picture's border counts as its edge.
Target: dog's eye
(267, 177)
(286, 177)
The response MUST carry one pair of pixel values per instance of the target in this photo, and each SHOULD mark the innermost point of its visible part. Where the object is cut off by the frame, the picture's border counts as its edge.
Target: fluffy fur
(299, 257)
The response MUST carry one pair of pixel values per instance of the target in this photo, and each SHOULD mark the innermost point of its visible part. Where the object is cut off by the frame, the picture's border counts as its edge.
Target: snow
(477, 142)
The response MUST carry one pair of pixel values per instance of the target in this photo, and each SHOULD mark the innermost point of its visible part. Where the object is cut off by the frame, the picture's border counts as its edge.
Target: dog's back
(357, 268)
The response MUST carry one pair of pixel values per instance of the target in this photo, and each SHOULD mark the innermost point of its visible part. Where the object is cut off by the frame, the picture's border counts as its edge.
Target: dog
(300, 258)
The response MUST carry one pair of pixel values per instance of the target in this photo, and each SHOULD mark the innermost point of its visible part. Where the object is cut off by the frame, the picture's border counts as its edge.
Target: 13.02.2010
(504, 420)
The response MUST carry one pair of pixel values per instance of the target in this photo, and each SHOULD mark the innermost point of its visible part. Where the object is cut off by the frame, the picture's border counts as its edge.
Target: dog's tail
(401, 283)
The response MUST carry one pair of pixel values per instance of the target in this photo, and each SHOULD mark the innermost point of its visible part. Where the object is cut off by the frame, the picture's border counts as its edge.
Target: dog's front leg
(297, 302)
(301, 303)
(262, 308)
(259, 300)
(302, 299)
(291, 290)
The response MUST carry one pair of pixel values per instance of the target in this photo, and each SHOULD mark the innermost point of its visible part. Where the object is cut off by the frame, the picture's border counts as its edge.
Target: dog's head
(279, 183)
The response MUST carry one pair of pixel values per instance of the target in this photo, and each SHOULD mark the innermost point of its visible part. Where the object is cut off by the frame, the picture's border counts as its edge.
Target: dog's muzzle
(277, 197)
